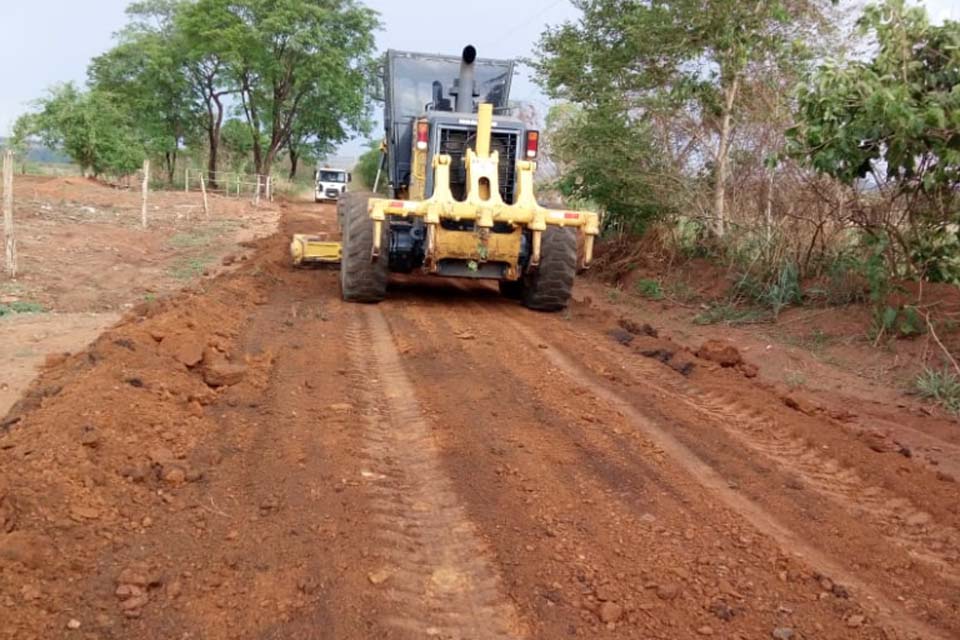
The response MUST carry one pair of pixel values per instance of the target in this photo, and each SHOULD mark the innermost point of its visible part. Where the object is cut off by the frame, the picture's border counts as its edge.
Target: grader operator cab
(460, 177)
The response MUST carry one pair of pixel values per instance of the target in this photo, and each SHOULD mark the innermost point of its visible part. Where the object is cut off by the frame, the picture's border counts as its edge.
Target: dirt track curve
(256, 459)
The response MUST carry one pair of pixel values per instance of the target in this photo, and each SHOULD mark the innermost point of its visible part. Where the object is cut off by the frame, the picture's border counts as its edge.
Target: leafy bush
(941, 386)
(650, 289)
(896, 322)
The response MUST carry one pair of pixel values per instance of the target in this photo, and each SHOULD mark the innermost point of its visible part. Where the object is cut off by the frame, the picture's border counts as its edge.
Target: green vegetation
(730, 314)
(252, 79)
(190, 268)
(12, 308)
(893, 121)
(365, 171)
(819, 163)
(650, 289)
(941, 386)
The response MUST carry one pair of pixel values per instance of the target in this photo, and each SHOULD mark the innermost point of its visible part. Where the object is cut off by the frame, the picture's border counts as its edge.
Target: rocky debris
(187, 349)
(174, 475)
(610, 612)
(620, 335)
(683, 367)
(89, 437)
(340, 407)
(73, 624)
(25, 548)
(705, 630)
(133, 588)
(749, 370)
(161, 455)
(81, 513)
(663, 355)
(943, 476)
(379, 577)
(8, 512)
(721, 352)
(668, 591)
(722, 610)
(855, 621)
(222, 373)
(783, 633)
(638, 329)
(879, 442)
(797, 404)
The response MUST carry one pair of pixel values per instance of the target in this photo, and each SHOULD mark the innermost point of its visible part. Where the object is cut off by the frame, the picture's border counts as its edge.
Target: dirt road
(257, 459)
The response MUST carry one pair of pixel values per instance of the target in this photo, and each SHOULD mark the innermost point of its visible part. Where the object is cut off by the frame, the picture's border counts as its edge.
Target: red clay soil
(256, 459)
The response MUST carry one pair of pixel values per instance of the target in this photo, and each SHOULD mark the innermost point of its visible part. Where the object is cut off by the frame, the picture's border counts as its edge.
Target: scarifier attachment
(315, 248)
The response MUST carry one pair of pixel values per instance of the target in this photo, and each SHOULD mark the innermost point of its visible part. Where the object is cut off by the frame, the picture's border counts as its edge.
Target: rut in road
(890, 613)
(434, 563)
(899, 520)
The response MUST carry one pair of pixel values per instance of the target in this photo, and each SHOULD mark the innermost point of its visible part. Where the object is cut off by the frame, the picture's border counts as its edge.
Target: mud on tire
(548, 287)
(361, 279)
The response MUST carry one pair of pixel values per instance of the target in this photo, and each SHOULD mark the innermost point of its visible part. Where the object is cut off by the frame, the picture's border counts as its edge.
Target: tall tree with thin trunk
(288, 61)
(684, 60)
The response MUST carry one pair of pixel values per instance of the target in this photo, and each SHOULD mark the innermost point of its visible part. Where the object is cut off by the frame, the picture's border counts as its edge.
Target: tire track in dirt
(896, 517)
(435, 569)
(887, 612)
(900, 521)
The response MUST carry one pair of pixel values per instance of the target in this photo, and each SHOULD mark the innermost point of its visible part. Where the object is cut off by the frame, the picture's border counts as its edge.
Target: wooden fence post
(238, 185)
(270, 188)
(203, 189)
(186, 180)
(256, 196)
(10, 241)
(145, 189)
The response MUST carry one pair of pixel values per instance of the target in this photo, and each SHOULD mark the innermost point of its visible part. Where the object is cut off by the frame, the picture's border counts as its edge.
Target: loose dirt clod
(721, 352)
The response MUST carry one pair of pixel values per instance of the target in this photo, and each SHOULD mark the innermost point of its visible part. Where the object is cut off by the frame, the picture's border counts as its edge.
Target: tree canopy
(295, 72)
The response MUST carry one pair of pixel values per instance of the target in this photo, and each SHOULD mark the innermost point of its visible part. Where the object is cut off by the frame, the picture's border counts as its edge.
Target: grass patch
(730, 314)
(943, 387)
(190, 239)
(13, 308)
(190, 268)
(795, 380)
(682, 292)
(649, 289)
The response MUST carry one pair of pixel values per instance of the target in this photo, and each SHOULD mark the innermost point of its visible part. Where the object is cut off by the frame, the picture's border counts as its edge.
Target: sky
(44, 42)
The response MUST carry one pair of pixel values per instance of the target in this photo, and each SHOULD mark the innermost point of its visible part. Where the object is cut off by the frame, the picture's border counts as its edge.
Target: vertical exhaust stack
(467, 82)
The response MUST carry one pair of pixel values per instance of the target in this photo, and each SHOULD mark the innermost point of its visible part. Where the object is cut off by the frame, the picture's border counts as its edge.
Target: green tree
(368, 164)
(287, 60)
(607, 158)
(235, 140)
(147, 70)
(92, 127)
(685, 60)
(892, 124)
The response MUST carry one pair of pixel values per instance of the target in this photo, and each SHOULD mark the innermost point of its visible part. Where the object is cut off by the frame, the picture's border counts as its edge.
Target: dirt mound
(106, 438)
(721, 352)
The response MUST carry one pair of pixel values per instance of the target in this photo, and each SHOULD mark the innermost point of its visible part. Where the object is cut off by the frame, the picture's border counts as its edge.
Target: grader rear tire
(548, 288)
(361, 278)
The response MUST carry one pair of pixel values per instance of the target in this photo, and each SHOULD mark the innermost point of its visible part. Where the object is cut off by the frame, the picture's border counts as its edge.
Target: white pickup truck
(330, 183)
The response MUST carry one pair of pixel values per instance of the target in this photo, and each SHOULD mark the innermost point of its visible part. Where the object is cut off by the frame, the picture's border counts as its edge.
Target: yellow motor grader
(460, 171)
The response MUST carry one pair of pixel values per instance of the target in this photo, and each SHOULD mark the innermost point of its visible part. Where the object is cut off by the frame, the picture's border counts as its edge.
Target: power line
(525, 22)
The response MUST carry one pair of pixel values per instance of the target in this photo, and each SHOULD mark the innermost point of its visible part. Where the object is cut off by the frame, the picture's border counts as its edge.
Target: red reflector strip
(396, 204)
(571, 216)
